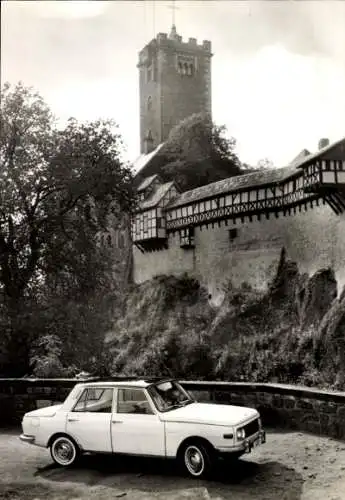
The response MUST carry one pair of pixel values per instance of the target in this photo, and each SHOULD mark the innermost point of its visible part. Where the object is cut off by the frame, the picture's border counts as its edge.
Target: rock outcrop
(293, 332)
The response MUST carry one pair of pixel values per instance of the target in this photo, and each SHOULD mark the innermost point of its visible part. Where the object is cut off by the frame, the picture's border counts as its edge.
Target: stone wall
(18, 396)
(282, 406)
(314, 239)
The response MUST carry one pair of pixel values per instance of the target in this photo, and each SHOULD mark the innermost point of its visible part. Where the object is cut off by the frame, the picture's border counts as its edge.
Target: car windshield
(169, 395)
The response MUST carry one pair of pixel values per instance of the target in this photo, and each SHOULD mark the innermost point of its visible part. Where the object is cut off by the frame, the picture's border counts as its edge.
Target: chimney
(323, 143)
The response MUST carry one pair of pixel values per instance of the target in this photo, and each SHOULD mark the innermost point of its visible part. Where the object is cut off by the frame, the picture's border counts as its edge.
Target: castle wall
(313, 238)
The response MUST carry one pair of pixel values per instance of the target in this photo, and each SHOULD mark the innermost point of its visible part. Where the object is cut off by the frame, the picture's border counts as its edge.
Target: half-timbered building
(233, 229)
(246, 216)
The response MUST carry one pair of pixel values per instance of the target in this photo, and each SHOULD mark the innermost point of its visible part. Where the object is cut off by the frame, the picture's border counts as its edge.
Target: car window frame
(73, 410)
(152, 406)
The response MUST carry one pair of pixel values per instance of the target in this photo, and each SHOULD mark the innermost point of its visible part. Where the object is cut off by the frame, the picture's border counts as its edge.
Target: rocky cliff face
(292, 332)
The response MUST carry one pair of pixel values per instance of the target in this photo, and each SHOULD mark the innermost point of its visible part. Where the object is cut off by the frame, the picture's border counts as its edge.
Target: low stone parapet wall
(285, 406)
(299, 408)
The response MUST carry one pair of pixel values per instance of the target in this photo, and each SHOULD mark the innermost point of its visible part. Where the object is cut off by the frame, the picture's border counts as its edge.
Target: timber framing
(314, 179)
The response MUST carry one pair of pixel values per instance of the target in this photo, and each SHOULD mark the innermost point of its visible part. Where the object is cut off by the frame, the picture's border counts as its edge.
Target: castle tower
(174, 83)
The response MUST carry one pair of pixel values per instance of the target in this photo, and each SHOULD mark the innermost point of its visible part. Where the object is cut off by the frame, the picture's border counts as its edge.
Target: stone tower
(174, 83)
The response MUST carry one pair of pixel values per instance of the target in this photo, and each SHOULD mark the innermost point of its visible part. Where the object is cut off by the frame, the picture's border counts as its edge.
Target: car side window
(95, 400)
(133, 401)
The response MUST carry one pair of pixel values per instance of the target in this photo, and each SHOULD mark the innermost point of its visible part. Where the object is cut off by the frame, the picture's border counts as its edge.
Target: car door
(136, 427)
(89, 420)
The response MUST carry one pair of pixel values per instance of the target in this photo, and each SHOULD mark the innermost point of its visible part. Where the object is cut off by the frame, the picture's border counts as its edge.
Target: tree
(265, 164)
(57, 188)
(47, 178)
(198, 152)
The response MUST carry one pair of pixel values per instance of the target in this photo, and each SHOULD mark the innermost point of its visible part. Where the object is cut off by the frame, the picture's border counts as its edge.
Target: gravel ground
(290, 466)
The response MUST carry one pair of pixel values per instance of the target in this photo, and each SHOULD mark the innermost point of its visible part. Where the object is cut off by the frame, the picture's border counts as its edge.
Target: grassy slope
(295, 332)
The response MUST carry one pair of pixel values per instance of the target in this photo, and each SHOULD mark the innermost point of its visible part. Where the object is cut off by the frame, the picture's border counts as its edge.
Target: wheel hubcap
(194, 460)
(64, 451)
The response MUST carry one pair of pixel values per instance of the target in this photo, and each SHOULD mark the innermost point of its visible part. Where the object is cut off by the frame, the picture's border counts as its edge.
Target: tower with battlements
(174, 83)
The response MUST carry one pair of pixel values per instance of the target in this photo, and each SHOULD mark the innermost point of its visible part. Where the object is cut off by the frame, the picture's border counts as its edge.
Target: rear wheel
(197, 459)
(64, 451)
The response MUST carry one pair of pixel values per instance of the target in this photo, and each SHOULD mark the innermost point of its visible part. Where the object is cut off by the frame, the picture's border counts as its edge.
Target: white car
(143, 417)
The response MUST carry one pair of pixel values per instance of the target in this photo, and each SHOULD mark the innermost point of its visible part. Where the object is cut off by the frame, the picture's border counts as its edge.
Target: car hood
(48, 411)
(210, 413)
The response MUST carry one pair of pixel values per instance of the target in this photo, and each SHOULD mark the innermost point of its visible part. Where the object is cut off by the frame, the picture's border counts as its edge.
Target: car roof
(141, 383)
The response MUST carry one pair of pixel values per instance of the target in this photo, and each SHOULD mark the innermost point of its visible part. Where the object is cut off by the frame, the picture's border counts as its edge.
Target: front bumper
(27, 439)
(252, 442)
(246, 445)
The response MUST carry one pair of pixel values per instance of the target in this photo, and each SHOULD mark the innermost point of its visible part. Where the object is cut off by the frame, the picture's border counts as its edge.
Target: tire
(64, 451)
(197, 459)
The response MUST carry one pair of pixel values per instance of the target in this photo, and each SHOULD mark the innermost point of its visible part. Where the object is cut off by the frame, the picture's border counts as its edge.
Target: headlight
(33, 421)
(240, 434)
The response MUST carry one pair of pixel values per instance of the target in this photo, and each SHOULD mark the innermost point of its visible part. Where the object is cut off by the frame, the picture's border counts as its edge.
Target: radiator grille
(252, 427)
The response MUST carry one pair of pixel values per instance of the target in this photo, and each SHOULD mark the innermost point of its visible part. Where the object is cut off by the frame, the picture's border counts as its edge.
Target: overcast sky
(278, 70)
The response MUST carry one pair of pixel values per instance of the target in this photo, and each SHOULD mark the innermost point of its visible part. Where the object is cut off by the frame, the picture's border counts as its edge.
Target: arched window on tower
(149, 103)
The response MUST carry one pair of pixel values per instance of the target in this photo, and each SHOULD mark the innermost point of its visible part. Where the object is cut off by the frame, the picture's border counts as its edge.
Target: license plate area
(256, 442)
(250, 444)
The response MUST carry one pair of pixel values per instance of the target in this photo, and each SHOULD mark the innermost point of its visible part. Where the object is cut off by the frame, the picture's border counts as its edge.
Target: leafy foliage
(50, 181)
(196, 152)
(58, 190)
(253, 336)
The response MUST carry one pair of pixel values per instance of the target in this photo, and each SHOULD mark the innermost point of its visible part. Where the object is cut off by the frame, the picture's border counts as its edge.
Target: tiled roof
(144, 159)
(301, 156)
(238, 182)
(147, 182)
(156, 196)
(258, 178)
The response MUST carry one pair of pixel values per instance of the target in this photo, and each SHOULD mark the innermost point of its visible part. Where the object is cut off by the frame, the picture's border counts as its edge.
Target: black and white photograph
(172, 250)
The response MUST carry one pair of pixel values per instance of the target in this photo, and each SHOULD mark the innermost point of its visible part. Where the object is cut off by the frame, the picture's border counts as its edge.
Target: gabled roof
(156, 196)
(236, 183)
(321, 153)
(301, 156)
(147, 182)
(144, 159)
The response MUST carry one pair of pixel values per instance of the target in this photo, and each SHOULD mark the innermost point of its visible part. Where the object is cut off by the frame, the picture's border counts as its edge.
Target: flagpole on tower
(173, 9)
(154, 18)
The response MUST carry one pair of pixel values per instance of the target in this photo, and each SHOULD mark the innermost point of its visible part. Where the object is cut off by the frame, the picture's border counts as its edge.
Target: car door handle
(117, 421)
(71, 419)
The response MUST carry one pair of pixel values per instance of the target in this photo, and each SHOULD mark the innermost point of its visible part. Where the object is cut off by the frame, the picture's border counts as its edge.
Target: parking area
(290, 466)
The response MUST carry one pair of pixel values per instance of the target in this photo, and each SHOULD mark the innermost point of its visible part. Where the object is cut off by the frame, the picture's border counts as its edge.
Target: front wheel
(197, 460)
(64, 451)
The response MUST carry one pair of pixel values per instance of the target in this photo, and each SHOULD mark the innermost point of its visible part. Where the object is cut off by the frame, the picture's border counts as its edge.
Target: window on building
(185, 67)
(149, 103)
(109, 241)
(149, 73)
(187, 237)
(233, 234)
(133, 401)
